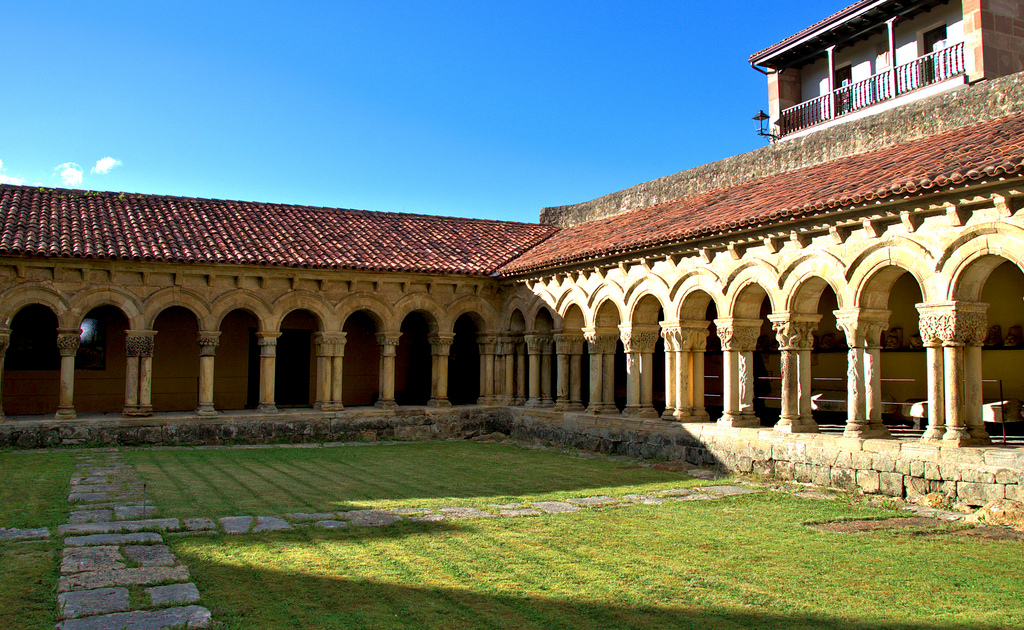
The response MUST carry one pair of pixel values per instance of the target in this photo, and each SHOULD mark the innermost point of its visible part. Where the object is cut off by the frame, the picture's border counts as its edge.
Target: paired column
(639, 342)
(795, 335)
(539, 347)
(5, 340)
(440, 345)
(138, 375)
(487, 345)
(601, 345)
(954, 377)
(68, 340)
(520, 351)
(739, 338)
(685, 344)
(863, 330)
(268, 370)
(208, 341)
(330, 366)
(388, 342)
(569, 350)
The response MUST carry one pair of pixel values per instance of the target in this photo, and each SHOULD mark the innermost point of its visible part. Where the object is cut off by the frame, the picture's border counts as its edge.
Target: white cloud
(70, 173)
(103, 166)
(7, 179)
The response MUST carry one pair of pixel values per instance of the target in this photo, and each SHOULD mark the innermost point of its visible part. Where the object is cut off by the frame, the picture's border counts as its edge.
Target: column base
(487, 400)
(519, 401)
(439, 403)
(385, 404)
(980, 435)
(533, 403)
(574, 407)
(332, 406)
(738, 421)
(65, 413)
(959, 436)
(796, 425)
(266, 408)
(206, 409)
(933, 434)
(640, 412)
(137, 412)
(670, 414)
(866, 433)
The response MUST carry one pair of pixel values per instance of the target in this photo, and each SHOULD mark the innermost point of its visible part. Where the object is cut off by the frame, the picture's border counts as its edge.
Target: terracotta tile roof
(951, 158)
(79, 224)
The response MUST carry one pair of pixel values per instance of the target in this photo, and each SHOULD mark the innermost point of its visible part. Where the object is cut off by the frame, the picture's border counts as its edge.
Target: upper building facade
(879, 54)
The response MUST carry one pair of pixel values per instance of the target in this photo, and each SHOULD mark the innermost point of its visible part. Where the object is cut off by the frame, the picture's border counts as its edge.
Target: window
(934, 40)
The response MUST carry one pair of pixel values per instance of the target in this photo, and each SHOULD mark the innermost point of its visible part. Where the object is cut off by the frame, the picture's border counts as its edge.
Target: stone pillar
(520, 350)
(957, 325)
(208, 341)
(68, 340)
(268, 370)
(138, 377)
(794, 333)
(695, 345)
(440, 345)
(575, 344)
(675, 367)
(508, 350)
(536, 347)
(487, 345)
(330, 350)
(600, 344)
(863, 330)
(323, 370)
(388, 342)
(935, 371)
(563, 346)
(738, 336)
(546, 399)
(5, 340)
(639, 342)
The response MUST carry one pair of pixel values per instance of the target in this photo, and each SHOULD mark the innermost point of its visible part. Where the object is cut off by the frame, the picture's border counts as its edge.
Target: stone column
(487, 345)
(674, 370)
(738, 336)
(440, 345)
(601, 345)
(268, 370)
(957, 325)
(68, 340)
(562, 372)
(520, 350)
(536, 347)
(508, 351)
(5, 340)
(330, 349)
(324, 352)
(695, 345)
(935, 370)
(795, 335)
(639, 342)
(138, 376)
(575, 372)
(863, 330)
(208, 341)
(388, 342)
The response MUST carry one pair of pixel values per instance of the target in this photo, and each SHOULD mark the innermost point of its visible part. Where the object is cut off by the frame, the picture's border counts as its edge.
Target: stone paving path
(115, 573)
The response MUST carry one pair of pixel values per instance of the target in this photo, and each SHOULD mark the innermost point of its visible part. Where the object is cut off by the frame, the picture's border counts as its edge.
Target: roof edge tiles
(949, 159)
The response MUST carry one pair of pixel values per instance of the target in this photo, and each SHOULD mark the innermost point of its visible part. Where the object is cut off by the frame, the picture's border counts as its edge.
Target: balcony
(927, 70)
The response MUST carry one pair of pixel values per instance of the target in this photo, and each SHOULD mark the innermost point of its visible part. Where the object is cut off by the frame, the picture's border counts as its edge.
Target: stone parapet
(984, 101)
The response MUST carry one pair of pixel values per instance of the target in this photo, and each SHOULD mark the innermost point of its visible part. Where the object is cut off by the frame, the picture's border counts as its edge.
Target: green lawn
(33, 493)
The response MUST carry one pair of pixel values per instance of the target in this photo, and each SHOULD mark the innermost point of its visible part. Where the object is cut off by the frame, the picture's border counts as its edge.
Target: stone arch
(701, 278)
(574, 295)
(760, 270)
(606, 294)
(306, 301)
(423, 304)
(607, 314)
(745, 299)
(969, 266)
(95, 297)
(644, 309)
(648, 284)
(473, 304)
(379, 311)
(799, 280)
(513, 304)
(241, 299)
(535, 312)
(694, 301)
(1002, 239)
(22, 295)
(165, 298)
(862, 276)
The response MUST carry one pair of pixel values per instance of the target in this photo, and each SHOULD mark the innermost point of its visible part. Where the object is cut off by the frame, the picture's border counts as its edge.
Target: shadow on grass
(242, 597)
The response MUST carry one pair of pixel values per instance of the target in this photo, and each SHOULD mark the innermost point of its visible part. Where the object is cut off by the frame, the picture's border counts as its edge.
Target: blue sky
(490, 110)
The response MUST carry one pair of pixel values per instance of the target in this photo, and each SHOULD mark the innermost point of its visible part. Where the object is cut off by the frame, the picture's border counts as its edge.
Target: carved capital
(673, 336)
(538, 344)
(487, 343)
(953, 323)
(794, 332)
(863, 327)
(695, 336)
(440, 343)
(68, 340)
(208, 341)
(5, 340)
(267, 342)
(636, 339)
(600, 342)
(569, 344)
(330, 344)
(388, 342)
(738, 335)
(139, 343)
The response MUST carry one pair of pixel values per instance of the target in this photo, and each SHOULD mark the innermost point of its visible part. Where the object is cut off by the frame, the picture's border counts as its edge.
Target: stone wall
(981, 102)
(363, 424)
(888, 467)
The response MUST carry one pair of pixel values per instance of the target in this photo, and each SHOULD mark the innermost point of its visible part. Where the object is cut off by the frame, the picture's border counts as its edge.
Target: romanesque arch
(169, 297)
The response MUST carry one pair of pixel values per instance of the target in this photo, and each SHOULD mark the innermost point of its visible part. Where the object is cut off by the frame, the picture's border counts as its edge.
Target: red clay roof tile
(968, 153)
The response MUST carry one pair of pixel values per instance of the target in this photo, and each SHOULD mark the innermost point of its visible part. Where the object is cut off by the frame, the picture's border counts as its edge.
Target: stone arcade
(778, 312)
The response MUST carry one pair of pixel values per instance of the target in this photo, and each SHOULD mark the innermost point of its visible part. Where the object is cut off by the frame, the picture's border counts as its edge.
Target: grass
(33, 493)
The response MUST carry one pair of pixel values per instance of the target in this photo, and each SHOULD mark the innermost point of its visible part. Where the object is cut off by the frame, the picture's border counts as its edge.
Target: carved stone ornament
(695, 339)
(440, 343)
(794, 334)
(640, 340)
(673, 336)
(738, 338)
(67, 343)
(601, 343)
(5, 341)
(953, 327)
(569, 344)
(861, 329)
(487, 343)
(208, 343)
(388, 343)
(139, 345)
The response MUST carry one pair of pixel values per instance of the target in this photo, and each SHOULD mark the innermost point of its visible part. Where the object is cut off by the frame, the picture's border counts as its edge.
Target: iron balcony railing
(923, 71)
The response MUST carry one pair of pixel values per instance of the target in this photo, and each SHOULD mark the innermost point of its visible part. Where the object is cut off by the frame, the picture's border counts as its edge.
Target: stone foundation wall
(978, 103)
(303, 426)
(905, 469)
